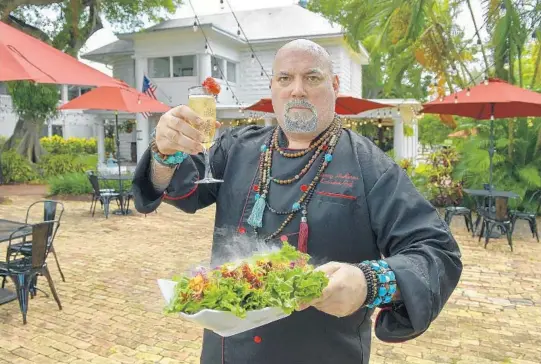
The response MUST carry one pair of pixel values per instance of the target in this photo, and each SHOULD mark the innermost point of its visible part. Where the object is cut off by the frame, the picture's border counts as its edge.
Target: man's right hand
(175, 132)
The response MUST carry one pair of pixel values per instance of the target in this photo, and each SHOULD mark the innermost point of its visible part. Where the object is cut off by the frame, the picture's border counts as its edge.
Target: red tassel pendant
(302, 245)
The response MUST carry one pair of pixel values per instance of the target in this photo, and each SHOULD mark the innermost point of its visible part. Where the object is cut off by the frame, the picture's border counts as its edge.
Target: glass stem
(208, 172)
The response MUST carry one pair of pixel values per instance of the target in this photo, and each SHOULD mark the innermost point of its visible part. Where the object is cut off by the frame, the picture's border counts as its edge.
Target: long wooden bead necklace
(325, 144)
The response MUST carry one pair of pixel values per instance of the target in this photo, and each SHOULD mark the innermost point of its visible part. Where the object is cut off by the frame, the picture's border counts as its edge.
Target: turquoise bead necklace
(324, 147)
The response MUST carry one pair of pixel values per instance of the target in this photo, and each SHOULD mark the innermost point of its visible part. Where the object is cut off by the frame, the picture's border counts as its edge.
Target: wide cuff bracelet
(381, 288)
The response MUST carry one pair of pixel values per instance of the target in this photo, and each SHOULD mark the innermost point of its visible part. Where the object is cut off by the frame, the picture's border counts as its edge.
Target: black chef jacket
(364, 207)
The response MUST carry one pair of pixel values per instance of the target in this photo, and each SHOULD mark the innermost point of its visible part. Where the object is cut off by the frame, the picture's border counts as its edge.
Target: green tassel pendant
(256, 216)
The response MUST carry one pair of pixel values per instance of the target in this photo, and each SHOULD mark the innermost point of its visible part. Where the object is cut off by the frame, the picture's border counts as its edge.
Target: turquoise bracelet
(386, 282)
(170, 160)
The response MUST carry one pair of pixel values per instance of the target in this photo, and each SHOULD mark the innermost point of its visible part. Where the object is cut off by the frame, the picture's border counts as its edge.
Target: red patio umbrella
(488, 100)
(345, 105)
(23, 57)
(123, 98)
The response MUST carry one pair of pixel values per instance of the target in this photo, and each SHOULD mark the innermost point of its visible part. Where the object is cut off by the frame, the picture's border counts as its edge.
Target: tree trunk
(1, 174)
(30, 146)
(537, 62)
(538, 144)
(18, 133)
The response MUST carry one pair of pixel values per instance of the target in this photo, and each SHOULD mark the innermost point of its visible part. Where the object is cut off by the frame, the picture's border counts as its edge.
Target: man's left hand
(346, 291)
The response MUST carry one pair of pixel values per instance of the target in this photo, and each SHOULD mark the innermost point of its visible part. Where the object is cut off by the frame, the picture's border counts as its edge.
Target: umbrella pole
(118, 158)
(491, 154)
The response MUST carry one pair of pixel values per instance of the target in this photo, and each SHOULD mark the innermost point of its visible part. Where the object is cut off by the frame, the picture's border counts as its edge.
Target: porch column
(100, 134)
(398, 137)
(204, 66)
(410, 142)
(64, 99)
(143, 124)
(64, 94)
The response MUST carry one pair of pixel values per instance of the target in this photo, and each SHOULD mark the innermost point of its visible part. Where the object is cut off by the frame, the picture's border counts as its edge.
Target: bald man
(331, 193)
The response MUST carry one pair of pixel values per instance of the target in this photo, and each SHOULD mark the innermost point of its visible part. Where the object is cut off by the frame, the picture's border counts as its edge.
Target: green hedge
(58, 164)
(69, 184)
(79, 184)
(17, 169)
(58, 145)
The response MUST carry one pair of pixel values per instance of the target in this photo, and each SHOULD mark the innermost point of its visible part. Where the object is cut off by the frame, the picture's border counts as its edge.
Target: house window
(57, 130)
(224, 70)
(3, 89)
(159, 67)
(183, 66)
(217, 67)
(76, 91)
(231, 72)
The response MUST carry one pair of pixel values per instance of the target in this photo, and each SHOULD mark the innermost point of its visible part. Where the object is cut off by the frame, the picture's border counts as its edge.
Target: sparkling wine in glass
(203, 104)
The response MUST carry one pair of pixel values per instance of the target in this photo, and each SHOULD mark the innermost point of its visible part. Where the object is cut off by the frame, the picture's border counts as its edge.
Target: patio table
(8, 227)
(115, 177)
(500, 202)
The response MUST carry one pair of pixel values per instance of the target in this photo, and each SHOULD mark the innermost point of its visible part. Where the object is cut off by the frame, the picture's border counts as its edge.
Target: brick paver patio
(113, 308)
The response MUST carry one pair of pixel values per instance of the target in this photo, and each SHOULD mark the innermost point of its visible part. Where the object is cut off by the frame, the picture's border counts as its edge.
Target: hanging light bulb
(215, 68)
(253, 58)
(379, 125)
(238, 30)
(262, 72)
(468, 92)
(222, 4)
(195, 25)
(456, 99)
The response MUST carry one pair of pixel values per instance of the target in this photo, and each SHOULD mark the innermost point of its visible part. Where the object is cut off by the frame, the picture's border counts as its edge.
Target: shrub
(58, 145)
(69, 184)
(59, 164)
(434, 180)
(17, 169)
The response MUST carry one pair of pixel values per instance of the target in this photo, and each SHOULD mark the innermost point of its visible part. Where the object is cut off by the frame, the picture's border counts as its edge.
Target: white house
(175, 55)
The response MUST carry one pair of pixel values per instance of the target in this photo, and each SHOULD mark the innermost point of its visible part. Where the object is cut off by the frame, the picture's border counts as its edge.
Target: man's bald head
(306, 46)
(304, 89)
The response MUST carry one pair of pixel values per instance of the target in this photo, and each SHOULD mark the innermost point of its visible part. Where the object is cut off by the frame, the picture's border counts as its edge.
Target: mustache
(299, 102)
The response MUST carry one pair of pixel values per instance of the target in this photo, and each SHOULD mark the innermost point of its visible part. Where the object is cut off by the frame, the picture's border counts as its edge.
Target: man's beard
(300, 121)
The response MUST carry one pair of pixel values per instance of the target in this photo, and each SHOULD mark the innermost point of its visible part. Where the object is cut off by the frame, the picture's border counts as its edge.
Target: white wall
(251, 85)
(124, 69)
(75, 123)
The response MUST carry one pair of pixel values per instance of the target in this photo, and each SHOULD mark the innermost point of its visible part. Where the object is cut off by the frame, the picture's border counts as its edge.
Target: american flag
(148, 88)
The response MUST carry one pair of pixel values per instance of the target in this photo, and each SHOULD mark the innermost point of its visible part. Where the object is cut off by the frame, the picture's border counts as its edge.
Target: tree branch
(27, 28)
(7, 6)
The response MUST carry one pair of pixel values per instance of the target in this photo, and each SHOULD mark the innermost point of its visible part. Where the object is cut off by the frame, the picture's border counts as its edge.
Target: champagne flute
(203, 104)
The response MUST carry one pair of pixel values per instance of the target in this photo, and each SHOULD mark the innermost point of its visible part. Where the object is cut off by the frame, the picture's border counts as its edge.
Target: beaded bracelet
(381, 282)
(163, 159)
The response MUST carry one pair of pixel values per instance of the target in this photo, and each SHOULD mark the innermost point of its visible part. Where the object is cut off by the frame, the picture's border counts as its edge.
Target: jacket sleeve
(419, 248)
(182, 192)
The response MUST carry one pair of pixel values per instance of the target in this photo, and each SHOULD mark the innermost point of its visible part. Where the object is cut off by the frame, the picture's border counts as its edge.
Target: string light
(239, 31)
(209, 49)
(195, 26)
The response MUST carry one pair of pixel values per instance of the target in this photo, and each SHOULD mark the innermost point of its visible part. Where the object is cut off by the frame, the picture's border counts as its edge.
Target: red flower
(211, 85)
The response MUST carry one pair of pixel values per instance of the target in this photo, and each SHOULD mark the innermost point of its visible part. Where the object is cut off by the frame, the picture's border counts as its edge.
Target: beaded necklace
(325, 144)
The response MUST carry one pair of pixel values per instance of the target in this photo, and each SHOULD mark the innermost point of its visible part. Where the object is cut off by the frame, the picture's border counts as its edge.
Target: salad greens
(280, 279)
